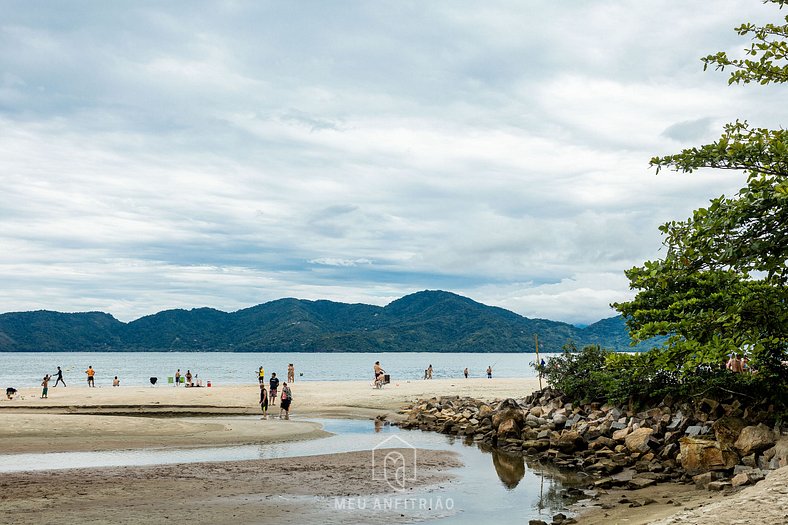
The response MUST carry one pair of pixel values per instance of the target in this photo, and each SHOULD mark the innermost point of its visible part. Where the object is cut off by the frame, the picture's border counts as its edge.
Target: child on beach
(116, 381)
(45, 385)
(287, 398)
(274, 384)
(264, 400)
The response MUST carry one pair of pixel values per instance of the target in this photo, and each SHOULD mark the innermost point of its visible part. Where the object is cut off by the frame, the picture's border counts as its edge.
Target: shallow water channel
(490, 484)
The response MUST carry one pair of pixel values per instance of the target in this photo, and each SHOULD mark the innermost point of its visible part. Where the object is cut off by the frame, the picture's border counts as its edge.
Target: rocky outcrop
(668, 441)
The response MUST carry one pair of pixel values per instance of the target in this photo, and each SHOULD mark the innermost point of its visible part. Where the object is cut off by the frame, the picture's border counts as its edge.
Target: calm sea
(221, 368)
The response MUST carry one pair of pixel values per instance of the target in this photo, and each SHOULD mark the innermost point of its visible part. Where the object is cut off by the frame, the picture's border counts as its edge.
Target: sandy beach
(290, 490)
(140, 417)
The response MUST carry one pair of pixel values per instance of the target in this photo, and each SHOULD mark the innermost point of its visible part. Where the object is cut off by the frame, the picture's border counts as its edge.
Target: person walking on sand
(465, 372)
(489, 372)
(90, 372)
(261, 375)
(264, 400)
(178, 377)
(290, 373)
(59, 378)
(45, 385)
(274, 384)
(287, 398)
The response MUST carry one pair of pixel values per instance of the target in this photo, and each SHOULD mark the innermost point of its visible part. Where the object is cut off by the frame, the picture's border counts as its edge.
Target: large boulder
(639, 440)
(508, 410)
(508, 428)
(703, 455)
(727, 429)
(755, 439)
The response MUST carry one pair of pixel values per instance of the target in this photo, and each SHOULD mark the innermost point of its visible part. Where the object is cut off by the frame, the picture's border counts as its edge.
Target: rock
(508, 428)
(702, 480)
(570, 441)
(537, 522)
(740, 479)
(702, 455)
(559, 518)
(559, 419)
(727, 429)
(719, 485)
(640, 483)
(484, 411)
(639, 440)
(755, 439)
(536, 411)
(620, 435)
(694, 430)
(602, 442)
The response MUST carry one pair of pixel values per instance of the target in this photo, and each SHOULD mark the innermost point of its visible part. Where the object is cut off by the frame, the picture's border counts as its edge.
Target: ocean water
(26, 369)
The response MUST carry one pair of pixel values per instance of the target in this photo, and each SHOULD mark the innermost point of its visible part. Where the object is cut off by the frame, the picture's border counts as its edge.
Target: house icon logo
(394, 461)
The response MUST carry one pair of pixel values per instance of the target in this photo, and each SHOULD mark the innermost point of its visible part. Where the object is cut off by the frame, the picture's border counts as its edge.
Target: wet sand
(285, 491)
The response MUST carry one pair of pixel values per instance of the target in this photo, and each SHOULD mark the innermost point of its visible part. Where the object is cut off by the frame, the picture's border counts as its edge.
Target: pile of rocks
(720, 443)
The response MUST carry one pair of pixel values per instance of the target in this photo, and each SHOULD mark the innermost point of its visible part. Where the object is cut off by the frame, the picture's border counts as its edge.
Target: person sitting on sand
(116, 381)
(287, 398)
(59, 378)
(10, 392)
(264, 400)
(274, 384)
(90, 372)
(45, 385)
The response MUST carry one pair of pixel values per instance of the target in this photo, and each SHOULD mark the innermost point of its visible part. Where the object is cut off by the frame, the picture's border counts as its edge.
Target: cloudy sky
(158, 155)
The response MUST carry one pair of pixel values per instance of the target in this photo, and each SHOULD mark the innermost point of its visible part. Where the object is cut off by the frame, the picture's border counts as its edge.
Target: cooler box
(386, 378)
(170, 380)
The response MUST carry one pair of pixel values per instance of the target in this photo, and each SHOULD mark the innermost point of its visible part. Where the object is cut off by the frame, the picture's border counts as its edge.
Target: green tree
(721, 286)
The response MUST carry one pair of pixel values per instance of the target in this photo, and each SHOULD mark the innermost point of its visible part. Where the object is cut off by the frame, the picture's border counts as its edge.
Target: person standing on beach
(45, 385)
(429, 372)
(261, 375)
(489, 372)
(90, 372)
(465, 372)
(287, 398)
(116, 381)
(274, 384)
(59, 378)
(264, 400)
(189, 378)
(290, 373)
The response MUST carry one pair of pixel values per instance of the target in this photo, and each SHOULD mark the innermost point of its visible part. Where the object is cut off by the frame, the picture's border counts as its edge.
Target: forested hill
(429, 321)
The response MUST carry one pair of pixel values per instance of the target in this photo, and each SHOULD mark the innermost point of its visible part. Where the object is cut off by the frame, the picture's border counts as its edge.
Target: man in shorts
(274, 384)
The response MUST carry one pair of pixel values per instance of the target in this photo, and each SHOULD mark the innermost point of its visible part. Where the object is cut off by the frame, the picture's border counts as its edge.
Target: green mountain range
(428, 321)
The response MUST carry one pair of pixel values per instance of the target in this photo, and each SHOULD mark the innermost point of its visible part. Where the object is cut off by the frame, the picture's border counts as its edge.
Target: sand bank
(300, 490)
(68, 420)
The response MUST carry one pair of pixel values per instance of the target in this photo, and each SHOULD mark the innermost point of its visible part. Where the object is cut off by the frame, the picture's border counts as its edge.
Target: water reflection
(509, 467)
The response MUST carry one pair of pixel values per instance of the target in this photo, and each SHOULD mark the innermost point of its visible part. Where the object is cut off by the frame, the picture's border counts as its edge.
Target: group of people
(188, 380)
(269, 396)
(738, 364)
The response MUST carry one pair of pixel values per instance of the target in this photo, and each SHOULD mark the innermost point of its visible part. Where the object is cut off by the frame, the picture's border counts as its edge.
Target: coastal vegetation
(720, 289)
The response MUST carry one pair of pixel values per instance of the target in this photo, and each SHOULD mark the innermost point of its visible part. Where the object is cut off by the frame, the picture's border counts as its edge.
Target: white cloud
(171, 156)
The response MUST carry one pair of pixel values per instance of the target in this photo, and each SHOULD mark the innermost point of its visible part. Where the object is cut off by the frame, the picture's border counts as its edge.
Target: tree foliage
(721, 286)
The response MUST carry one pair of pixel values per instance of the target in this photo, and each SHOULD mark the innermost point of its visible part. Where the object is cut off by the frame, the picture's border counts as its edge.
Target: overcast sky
(159, 155)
